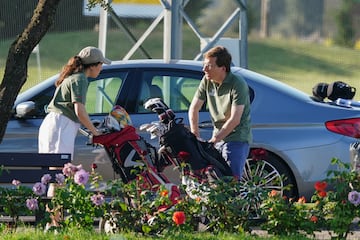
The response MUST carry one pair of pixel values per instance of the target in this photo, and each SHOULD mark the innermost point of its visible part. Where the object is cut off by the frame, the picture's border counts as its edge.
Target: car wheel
(268, 174)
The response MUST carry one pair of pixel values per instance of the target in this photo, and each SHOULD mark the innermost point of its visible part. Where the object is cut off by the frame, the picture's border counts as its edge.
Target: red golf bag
(132, 156)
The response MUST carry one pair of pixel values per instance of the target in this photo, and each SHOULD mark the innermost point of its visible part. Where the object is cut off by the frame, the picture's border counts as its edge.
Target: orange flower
(179, 217)
(314, 219)
(322, 194)
(164, 193)
(273, 193)
(198, 199)
(320, 186)
(302, 200)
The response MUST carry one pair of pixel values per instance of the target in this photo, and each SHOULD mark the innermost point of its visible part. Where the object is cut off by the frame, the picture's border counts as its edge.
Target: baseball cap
(91, 54)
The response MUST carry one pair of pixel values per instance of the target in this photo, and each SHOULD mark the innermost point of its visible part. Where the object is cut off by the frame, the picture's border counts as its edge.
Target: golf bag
(132, 156)
(178, 145)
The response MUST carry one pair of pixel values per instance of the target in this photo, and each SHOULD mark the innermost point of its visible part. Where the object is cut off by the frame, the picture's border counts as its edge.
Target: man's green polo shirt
(233, 91)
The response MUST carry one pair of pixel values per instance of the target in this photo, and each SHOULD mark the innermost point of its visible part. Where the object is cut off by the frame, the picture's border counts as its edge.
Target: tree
(345, 31)
(15, 74)
(16, 64)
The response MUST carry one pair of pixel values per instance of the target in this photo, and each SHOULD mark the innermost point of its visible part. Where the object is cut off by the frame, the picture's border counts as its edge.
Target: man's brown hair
(223, 57)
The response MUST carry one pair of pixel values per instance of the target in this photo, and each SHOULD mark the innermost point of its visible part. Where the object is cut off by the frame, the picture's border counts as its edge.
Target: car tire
(275, 171)
(262, 175)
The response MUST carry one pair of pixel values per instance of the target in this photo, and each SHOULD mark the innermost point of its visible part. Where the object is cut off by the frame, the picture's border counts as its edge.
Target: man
(227, 96)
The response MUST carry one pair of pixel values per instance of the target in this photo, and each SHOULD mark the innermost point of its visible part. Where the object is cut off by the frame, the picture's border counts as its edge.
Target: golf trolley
(198, 161)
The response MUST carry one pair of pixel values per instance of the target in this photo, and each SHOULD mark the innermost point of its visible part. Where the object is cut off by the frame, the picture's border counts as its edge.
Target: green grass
(299, 64)
(31, 233)
(303, 64)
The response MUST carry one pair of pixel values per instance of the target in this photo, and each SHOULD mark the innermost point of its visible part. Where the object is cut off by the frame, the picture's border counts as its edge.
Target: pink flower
(32, 204)
(39, 188)
(16, 182)
(46, 179)
(98, 199)
(69, 169)
(81, 177)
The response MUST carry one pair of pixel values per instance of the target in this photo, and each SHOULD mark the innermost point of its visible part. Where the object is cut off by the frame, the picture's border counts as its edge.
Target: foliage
(74, 204)
(345, 30)
(339, 208)
(286, 216)
(215, 207)
(19, 200)
(331, 210)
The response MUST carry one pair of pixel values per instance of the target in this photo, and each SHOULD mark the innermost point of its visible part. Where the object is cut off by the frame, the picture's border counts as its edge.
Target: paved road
(323, 235)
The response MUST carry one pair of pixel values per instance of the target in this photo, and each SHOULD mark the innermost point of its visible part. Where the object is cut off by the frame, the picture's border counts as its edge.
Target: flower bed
(134, 207)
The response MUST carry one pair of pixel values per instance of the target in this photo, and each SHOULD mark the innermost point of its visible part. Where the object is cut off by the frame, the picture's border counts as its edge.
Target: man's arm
(230, 124)
(194, 109)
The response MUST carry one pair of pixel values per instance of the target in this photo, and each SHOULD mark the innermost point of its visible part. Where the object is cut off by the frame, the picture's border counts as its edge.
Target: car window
(175, 88)
(102, 93)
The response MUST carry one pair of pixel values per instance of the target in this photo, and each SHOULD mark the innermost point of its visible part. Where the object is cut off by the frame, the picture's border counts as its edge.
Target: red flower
(93, 166)
(320, 186)
(183, 155)
(314, 219)
(179, 217)
(322, 194)
(258, 154)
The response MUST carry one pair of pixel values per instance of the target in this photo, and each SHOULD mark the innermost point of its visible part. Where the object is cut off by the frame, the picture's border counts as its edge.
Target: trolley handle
(88, 134)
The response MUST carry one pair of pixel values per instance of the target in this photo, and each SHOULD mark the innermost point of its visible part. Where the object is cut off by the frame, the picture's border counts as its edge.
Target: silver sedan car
(301, 135)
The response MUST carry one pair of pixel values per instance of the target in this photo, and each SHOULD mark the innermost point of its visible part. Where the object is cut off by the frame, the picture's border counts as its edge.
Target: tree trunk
(16, 64)
(264, 26)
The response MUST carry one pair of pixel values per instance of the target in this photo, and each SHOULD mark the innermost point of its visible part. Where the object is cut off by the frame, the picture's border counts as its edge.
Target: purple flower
(39, 188)
(60, 178)
(70, 169)
(81, 177)
(97, 199)
(16, 182)
(32, 204)
(354, 197)
(46, 179)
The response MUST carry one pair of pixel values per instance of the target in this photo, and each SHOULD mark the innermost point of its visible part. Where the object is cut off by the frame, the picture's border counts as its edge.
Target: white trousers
(57, 134)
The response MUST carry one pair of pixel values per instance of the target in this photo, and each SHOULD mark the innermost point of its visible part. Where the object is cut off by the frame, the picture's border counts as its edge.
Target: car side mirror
(25, 109)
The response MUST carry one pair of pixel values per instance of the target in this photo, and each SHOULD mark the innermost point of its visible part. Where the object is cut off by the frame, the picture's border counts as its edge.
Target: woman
(66, 110)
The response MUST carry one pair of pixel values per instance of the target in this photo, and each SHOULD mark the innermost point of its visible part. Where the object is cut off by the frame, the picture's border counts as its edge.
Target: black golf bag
(202, 160)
